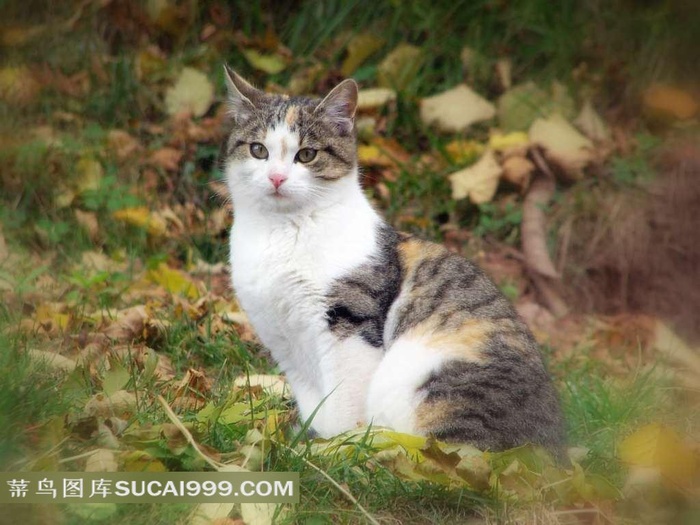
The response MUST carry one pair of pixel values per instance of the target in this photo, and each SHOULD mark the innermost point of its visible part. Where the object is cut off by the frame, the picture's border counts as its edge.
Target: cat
(369, 325)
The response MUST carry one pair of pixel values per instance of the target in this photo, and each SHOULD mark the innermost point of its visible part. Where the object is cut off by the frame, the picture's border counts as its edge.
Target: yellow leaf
(507, 141)
(142, 218)
(478, 182)
(192, 92)
(668, 101)
(268, 63)
(174, 281)
(462, 151)
(89, 175)
(660, 447)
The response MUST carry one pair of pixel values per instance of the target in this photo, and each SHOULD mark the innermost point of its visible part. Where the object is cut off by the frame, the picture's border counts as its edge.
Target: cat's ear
(340, 105)
(242, 97)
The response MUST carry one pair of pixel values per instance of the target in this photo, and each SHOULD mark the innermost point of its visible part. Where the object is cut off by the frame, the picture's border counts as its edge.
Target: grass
(42, 410)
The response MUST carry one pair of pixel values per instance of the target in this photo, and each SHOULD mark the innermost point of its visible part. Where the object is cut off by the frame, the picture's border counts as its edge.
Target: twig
(534, 222)
(188, 435)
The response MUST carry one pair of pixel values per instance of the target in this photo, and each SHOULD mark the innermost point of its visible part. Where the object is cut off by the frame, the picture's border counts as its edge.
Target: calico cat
(368, 324)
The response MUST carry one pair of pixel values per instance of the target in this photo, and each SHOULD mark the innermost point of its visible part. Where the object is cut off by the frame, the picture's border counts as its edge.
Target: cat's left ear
(340, 105)
(242, 97)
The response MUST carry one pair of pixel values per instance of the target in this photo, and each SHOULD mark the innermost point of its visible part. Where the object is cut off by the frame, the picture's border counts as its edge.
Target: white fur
(286, 251)
(393, 393)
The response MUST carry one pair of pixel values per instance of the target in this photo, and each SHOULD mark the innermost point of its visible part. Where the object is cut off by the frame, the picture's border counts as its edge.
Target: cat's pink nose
(277, 179)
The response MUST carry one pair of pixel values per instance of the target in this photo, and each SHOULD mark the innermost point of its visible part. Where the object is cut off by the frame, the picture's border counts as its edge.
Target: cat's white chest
(282, 272)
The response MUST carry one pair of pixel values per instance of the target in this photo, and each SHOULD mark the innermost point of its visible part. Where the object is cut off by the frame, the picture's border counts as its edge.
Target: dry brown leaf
(118, 404)
(122, 144)
(88, 221)
(273, 384)
(166, 158)
(127, 324)
(456, 109)
(478, 182)
(517, 170)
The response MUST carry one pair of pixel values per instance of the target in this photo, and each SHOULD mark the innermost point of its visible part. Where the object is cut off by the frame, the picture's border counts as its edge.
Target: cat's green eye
(258, 151)
(306, 155)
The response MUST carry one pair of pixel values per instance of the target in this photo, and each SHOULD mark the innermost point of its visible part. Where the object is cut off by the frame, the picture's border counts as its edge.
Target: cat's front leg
(347, 366)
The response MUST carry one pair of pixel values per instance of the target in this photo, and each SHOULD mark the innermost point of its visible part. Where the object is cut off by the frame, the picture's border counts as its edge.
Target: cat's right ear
(242, 97)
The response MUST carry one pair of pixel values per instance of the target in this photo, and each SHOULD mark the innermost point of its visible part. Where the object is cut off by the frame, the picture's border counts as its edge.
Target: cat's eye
(258, 151)
(306, 155)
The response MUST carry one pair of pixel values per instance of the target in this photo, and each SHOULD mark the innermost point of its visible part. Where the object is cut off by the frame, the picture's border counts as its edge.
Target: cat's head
(289, 153)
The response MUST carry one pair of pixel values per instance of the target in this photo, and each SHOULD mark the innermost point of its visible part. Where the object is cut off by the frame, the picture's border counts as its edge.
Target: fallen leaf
(192, 93)
(143, 218)
(669, 102)
(360, 47)
(591, 124)
(455, 109)
(269, 63)
(374, 98)
(658, 446)
(462, 151)
(126, 324)
(115, 379)
(119, 403)
(516, 141)
(562, 143)
(122, 144)
(520, 106)
(89, 173)
(102, 460)
(174, 281)
(517, 170)
(53, 360)
(478, 182)
(88, 221)
(18, 87)
(209, 513)
(400, 67)
(258, 513)
(166, 158)
(273, 384)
